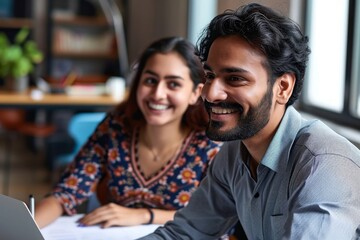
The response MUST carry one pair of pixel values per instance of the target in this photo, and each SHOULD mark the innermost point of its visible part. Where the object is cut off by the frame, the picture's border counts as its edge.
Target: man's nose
(214, 91)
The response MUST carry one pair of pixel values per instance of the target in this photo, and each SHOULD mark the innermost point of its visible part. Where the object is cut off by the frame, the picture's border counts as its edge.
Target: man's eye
(235, 79)
(209, 76)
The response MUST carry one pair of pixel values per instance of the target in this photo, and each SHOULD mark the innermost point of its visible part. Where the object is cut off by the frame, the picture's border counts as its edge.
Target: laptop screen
(16, 221)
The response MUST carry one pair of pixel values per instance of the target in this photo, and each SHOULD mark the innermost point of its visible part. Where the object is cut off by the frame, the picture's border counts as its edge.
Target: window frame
(345, 117)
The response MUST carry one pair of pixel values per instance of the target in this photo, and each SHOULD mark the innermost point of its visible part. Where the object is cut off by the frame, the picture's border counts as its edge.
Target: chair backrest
(82, 125)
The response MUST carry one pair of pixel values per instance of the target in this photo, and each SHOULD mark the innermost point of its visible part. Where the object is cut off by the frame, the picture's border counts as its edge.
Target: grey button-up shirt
(307, 188)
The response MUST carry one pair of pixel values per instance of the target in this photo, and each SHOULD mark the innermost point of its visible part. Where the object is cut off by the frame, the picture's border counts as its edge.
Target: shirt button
(256, 195)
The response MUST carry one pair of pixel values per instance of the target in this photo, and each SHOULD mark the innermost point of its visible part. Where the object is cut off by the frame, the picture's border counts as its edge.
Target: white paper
(66, 228)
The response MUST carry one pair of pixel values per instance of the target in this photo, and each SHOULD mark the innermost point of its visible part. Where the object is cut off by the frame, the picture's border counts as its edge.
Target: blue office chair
(80, 128)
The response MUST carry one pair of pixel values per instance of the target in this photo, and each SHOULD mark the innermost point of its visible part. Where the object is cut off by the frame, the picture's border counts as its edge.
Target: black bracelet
(151, 216)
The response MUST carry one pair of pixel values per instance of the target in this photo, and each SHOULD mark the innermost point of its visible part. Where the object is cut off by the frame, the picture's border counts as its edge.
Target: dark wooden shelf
(72, 54)
(81, 79)
(16, 22)
(82, 21)
(79, 39)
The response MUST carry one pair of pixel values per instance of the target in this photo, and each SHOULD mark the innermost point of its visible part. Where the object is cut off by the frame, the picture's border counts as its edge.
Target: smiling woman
(147, 157)
(166, 89)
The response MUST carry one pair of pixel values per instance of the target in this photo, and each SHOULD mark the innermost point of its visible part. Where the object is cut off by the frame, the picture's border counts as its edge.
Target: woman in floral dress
(146, 158)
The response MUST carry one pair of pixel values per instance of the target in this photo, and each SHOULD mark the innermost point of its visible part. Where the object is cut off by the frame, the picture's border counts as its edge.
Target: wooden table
(29, 100)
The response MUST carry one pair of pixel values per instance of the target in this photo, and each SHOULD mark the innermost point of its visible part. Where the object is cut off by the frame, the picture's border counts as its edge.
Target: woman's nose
(159, 90)
(214, 91)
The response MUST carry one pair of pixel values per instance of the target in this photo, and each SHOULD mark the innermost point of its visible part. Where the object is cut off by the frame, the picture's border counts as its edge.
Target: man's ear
(196, 94)
(284, 86)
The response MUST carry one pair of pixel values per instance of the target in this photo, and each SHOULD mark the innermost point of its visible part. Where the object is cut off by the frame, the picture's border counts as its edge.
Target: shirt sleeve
(324, 205)
(211, 211)
(80, 178)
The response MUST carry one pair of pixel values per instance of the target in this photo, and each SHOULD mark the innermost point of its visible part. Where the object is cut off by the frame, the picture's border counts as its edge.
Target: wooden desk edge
(57, 100)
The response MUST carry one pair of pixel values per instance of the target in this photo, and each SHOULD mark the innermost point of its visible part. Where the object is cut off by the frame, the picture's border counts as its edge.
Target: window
(201, 12)
(332, 84)
(355, 76)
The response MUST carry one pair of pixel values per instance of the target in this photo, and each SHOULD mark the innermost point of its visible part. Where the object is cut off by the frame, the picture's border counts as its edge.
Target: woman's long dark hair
(195, 116)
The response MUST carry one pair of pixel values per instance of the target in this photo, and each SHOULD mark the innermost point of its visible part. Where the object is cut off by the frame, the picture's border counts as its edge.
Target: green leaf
(6, 67)
(22, 67)
(22, 35)
(13, 53)
(4, 41)
(32, 52)
(37, 57)
(18, 59)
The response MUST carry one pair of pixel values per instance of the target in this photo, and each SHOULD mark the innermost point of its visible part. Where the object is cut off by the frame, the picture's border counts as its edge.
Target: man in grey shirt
(281, 176)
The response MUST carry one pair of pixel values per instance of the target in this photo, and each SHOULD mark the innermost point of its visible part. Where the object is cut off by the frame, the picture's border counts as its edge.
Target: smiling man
(281, 176)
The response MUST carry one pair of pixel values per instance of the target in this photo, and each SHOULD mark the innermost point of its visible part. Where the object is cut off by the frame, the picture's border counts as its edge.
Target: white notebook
(16, 221)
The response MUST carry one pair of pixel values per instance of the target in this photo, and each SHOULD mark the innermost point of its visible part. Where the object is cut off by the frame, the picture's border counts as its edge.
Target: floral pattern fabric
(109, 157)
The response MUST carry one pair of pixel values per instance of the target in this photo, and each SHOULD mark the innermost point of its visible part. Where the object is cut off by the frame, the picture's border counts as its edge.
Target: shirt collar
(278, 152)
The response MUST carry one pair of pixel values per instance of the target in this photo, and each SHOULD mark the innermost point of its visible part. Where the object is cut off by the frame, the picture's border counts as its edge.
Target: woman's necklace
(156, 157)
(170, 154)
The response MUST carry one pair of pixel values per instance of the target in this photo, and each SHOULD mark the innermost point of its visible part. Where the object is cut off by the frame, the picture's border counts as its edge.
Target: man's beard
(248, 125)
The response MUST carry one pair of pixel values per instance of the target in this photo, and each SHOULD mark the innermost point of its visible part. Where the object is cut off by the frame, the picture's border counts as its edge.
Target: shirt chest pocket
(277, 224)
(279, 212)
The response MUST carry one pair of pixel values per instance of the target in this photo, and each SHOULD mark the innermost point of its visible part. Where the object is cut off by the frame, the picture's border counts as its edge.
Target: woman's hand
(116, 215)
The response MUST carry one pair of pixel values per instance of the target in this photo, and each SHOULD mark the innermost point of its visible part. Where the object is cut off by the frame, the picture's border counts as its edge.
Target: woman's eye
(173, 85)
(150, 81)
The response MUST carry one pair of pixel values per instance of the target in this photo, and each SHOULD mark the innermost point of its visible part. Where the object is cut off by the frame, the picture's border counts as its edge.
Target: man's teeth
(222, 110)
(158, 106)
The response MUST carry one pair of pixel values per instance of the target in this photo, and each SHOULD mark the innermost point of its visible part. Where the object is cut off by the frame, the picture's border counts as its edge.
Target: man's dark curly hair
(277, 37)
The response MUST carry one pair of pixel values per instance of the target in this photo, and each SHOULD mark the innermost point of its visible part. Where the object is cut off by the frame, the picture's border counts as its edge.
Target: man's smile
(223, 107)
(219, 110)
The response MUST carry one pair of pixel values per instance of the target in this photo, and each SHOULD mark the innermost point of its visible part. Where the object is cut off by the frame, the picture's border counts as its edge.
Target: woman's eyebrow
(150, 72)
(169, 77)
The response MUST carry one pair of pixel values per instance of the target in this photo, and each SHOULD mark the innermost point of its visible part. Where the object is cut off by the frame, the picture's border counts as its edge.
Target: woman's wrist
(150, 216)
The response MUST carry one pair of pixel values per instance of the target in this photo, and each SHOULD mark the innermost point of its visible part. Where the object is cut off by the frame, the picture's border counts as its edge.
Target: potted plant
(17, 59)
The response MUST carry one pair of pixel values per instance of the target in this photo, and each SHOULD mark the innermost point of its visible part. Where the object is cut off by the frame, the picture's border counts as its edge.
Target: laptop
(16, 221)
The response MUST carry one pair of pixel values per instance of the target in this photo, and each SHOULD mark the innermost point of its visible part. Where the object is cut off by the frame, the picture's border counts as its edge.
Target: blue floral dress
(110, 157)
